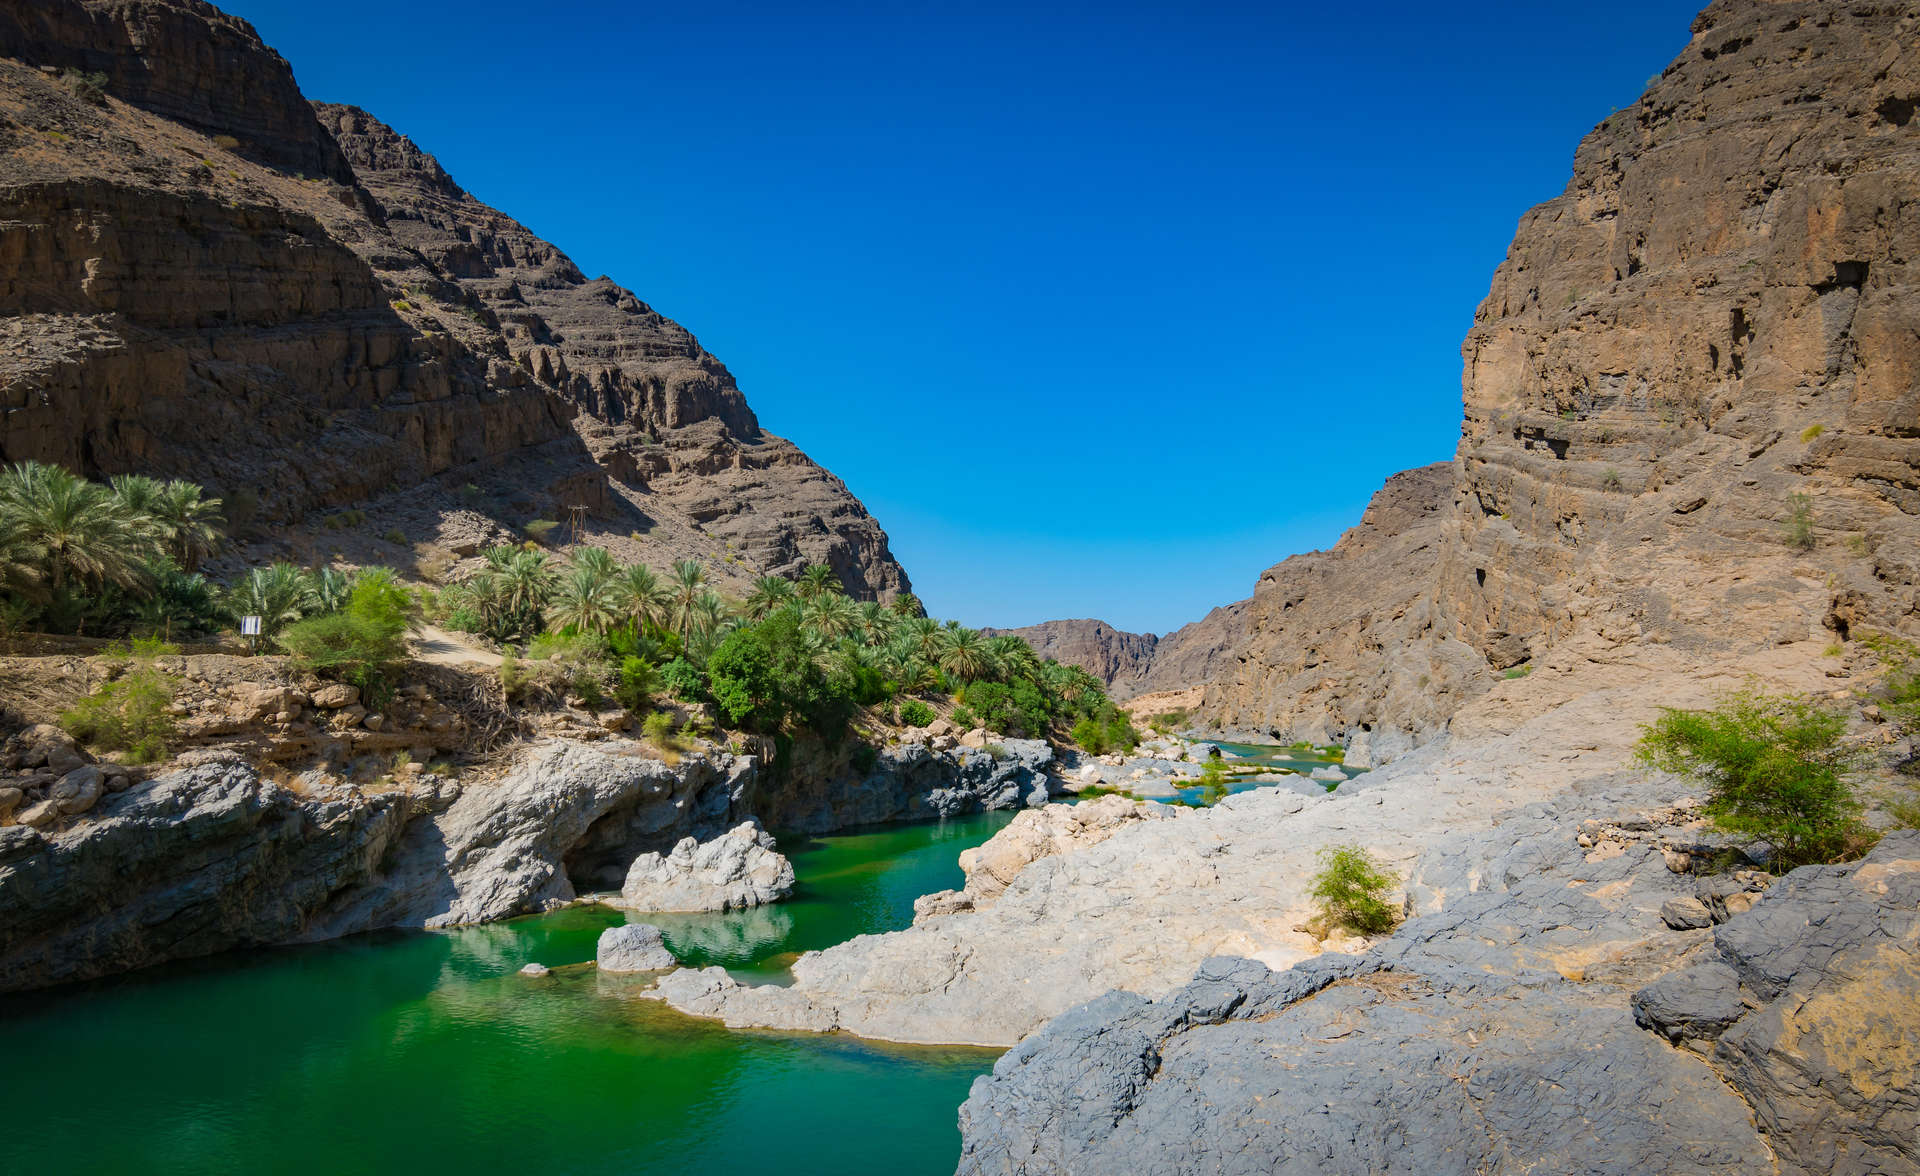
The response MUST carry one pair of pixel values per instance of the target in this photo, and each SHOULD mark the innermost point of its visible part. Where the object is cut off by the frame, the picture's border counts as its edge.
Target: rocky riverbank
(218, 855)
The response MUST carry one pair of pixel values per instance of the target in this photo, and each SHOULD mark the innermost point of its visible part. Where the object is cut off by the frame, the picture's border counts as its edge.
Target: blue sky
(1101, 309)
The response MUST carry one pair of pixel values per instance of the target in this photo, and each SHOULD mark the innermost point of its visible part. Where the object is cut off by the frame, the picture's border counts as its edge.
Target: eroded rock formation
(1717, 315)
(206, 277)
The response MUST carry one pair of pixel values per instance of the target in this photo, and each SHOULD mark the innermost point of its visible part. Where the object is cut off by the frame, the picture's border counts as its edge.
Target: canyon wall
(203, 275)
(1712, 333)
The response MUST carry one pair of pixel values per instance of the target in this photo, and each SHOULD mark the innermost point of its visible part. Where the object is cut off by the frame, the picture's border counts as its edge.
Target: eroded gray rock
(738, 869)
(633, 947)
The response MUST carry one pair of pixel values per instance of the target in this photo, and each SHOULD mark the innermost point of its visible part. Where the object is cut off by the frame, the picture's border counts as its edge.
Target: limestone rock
(536, 970)
(633, 947)
(740, 868)
(10, 799)
(1686, 914)
(335, 695)
(78, 790)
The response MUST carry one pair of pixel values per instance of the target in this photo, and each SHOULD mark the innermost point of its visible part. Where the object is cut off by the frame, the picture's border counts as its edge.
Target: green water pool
(425, 1052)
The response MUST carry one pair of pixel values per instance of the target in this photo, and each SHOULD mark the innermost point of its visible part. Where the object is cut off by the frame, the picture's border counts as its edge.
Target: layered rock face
(1716, 316)
(207, 277)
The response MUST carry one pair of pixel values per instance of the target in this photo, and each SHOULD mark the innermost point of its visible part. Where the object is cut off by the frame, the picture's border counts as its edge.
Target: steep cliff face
(1718, 316)
(1720, 311)
(206, 276)
(1343, 642)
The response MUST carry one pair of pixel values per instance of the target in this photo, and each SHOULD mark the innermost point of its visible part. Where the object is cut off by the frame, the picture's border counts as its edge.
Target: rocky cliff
(1692, 400)
(206, 276)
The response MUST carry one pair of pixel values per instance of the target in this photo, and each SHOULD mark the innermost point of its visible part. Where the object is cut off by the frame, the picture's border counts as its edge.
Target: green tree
(906, 604)
(644, 600)
(584, 599)
(363, 642)
(963, 654)
(1351, 888)
(817, 580)
(689, 580)
(279, 594)
(1773, 766)
(190, 525)
(74, 533)
(769, 593)
(637, 682)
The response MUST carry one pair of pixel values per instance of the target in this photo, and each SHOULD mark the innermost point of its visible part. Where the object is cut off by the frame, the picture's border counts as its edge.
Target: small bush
(996, 750)
(539, 529)
(637, 682)
(396, 536)
(1611, 479)
(362, 642)
(965, 719)
(128, 714)
(658, 729)
(1773, 767)
(1518, 672)
(1796, 530)
(684, 680)
(225, 142)
(914, 713)
(1351, 889)
(1812, 431)
(86, 86)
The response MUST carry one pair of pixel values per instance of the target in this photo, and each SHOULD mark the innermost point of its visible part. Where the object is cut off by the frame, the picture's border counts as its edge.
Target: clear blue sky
(1100, 308)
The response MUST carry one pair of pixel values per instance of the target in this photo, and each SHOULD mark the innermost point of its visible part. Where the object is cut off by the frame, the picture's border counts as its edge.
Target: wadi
(440, 726)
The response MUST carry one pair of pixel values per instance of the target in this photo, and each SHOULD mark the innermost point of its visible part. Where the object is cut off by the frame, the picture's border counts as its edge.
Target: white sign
(249, 626)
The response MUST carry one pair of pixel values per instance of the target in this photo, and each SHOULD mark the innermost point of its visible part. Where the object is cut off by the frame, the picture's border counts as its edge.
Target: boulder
(335, 695)
(635, 947)
(78, 790)
(1327, 773)
(10, 799)
(739, 869)
(64, 758)
(1685, 914)
(976, 738)
(536, 970)
(41, 815)
(1698, 1002)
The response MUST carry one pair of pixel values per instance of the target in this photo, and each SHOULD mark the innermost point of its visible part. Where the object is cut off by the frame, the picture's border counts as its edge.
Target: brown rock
(335, 695)
(10, 798)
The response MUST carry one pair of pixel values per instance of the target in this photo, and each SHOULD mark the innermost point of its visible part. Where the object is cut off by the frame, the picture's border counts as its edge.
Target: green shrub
(1611, 479)
(637, 682)
(964, 718)
(539, 529)
(360, 644)
(1351, 888)
(1518, 672)
(1812, 431)
(128, 714)
(914, 713)
(396, 536)
(684, 680)
(1773, 767)
(659, 730)
(1796, 530)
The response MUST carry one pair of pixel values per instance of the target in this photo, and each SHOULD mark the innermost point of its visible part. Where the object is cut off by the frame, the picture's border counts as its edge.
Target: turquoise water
(424, 1052)
(1265, 758)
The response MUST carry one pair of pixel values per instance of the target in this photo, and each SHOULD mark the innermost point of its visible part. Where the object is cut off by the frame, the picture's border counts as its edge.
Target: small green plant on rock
(131, 713)
(914, 713)
(1351, 889)
(1812, 431)
(1774, 769)
(1610, 480)
(1796, 530)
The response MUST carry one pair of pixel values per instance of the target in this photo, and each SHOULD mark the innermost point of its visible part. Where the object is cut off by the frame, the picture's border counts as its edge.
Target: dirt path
(436, 645)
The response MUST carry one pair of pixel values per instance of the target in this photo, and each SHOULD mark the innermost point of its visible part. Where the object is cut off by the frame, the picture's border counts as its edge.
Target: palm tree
(279, 594)
(818, 580)
(189, 524)
(1012, 657)
(644, 600)
(906, 604)
(72, 529)
(875, 623)
(964, 654)
(526, 582)
(330, 587)
(711, 616)
(597, 560)
(924, 633)
(688, 580)
(19, 565)
(585, 600)
(769, 593)
(832, 615)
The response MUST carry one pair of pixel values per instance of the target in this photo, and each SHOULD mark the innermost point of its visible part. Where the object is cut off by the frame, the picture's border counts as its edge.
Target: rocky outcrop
(1709, 333)
(1342, 642)
(922, 777)
(633, 947)
(132, 872)
(738, 869)
(1034, 834)
(343, 325)
(1501, 1033)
